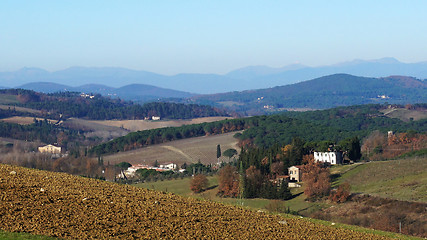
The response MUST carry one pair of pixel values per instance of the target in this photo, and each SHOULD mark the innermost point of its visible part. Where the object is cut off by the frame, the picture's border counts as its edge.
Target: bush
(317, 180)
(199, 183)
(228, 182)
(341, 194)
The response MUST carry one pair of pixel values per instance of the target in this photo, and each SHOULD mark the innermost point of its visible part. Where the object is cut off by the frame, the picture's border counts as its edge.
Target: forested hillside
(321, 93)
(42, 131)
(332, 125)
(96, 107)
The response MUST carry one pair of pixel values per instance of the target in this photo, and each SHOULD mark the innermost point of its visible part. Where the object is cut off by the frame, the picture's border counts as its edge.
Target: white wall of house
(170, 166)
(328, 157)
(50, 149)
(294, 173)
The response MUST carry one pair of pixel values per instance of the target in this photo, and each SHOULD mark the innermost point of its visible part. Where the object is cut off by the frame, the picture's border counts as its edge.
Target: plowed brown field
(73, 207)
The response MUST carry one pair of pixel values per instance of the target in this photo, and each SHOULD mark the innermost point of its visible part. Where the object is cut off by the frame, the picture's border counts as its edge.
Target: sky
(170, 37)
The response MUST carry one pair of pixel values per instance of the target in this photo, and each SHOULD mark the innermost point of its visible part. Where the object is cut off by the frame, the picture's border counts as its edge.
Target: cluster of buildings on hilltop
(85, 95)
(131, 171)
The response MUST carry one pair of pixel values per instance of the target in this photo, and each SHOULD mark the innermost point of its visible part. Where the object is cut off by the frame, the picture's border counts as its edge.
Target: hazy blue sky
(207, 36)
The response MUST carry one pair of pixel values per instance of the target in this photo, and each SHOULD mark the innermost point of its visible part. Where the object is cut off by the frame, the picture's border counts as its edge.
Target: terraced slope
(72, 207)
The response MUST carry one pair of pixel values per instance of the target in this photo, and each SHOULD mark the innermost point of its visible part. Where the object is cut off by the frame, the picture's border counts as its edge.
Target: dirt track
(72, 207)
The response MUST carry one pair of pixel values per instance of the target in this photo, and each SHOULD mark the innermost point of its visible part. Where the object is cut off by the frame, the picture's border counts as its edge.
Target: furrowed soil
(66, 206)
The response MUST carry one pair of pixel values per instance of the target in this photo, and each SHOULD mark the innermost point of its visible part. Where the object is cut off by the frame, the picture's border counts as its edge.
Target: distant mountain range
(253, 77)
(324, 92)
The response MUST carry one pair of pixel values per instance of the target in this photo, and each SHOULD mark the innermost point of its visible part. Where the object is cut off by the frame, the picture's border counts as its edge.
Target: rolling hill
(402, 179)
(134, 92)
(66, 206)
(181, 151)
(324, 92)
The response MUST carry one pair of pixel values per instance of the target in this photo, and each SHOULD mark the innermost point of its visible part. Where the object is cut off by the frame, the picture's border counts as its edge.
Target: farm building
(168, 165)
(131, 171)
(295, 174)
(280, 179)
(329, 157)
(50, 149)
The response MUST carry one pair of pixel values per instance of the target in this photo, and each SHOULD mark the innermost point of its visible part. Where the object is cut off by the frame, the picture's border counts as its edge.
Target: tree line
(42, 131)
(139, 139)
(321, 127)
(97, 107)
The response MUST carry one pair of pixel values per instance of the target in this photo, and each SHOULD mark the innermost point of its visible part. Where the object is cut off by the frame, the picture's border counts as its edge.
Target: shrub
(341, 194)
(199, 183)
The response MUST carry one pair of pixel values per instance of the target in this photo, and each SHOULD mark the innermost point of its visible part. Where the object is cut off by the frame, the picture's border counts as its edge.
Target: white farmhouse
(50, 149)
(295, 173)
(328, 157)
(170, 166)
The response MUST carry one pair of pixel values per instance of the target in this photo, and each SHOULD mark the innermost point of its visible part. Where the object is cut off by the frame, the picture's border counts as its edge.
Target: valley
(213, 120)
(101, 138)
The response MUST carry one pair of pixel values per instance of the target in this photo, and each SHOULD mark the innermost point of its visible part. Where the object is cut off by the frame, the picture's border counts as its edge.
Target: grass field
(20, 109)
(186, 150)
(364, 230)
(8, 99)
(23, 236)
(182, 187)
(405, 114)
(403, 179)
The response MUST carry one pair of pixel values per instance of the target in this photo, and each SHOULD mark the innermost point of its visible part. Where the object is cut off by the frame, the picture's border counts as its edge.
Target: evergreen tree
(354, 152)
(284, 192)
(218, 151)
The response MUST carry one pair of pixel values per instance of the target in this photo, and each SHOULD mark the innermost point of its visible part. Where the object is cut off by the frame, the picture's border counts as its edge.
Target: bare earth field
(24, 120)
(109, 129)
(66, 206)
(139, 125)
(186, 150)
(96, 130)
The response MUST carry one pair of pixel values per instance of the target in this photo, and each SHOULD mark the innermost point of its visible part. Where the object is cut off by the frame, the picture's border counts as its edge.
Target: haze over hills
(134, 92)
(324, 92)
(253, 77)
